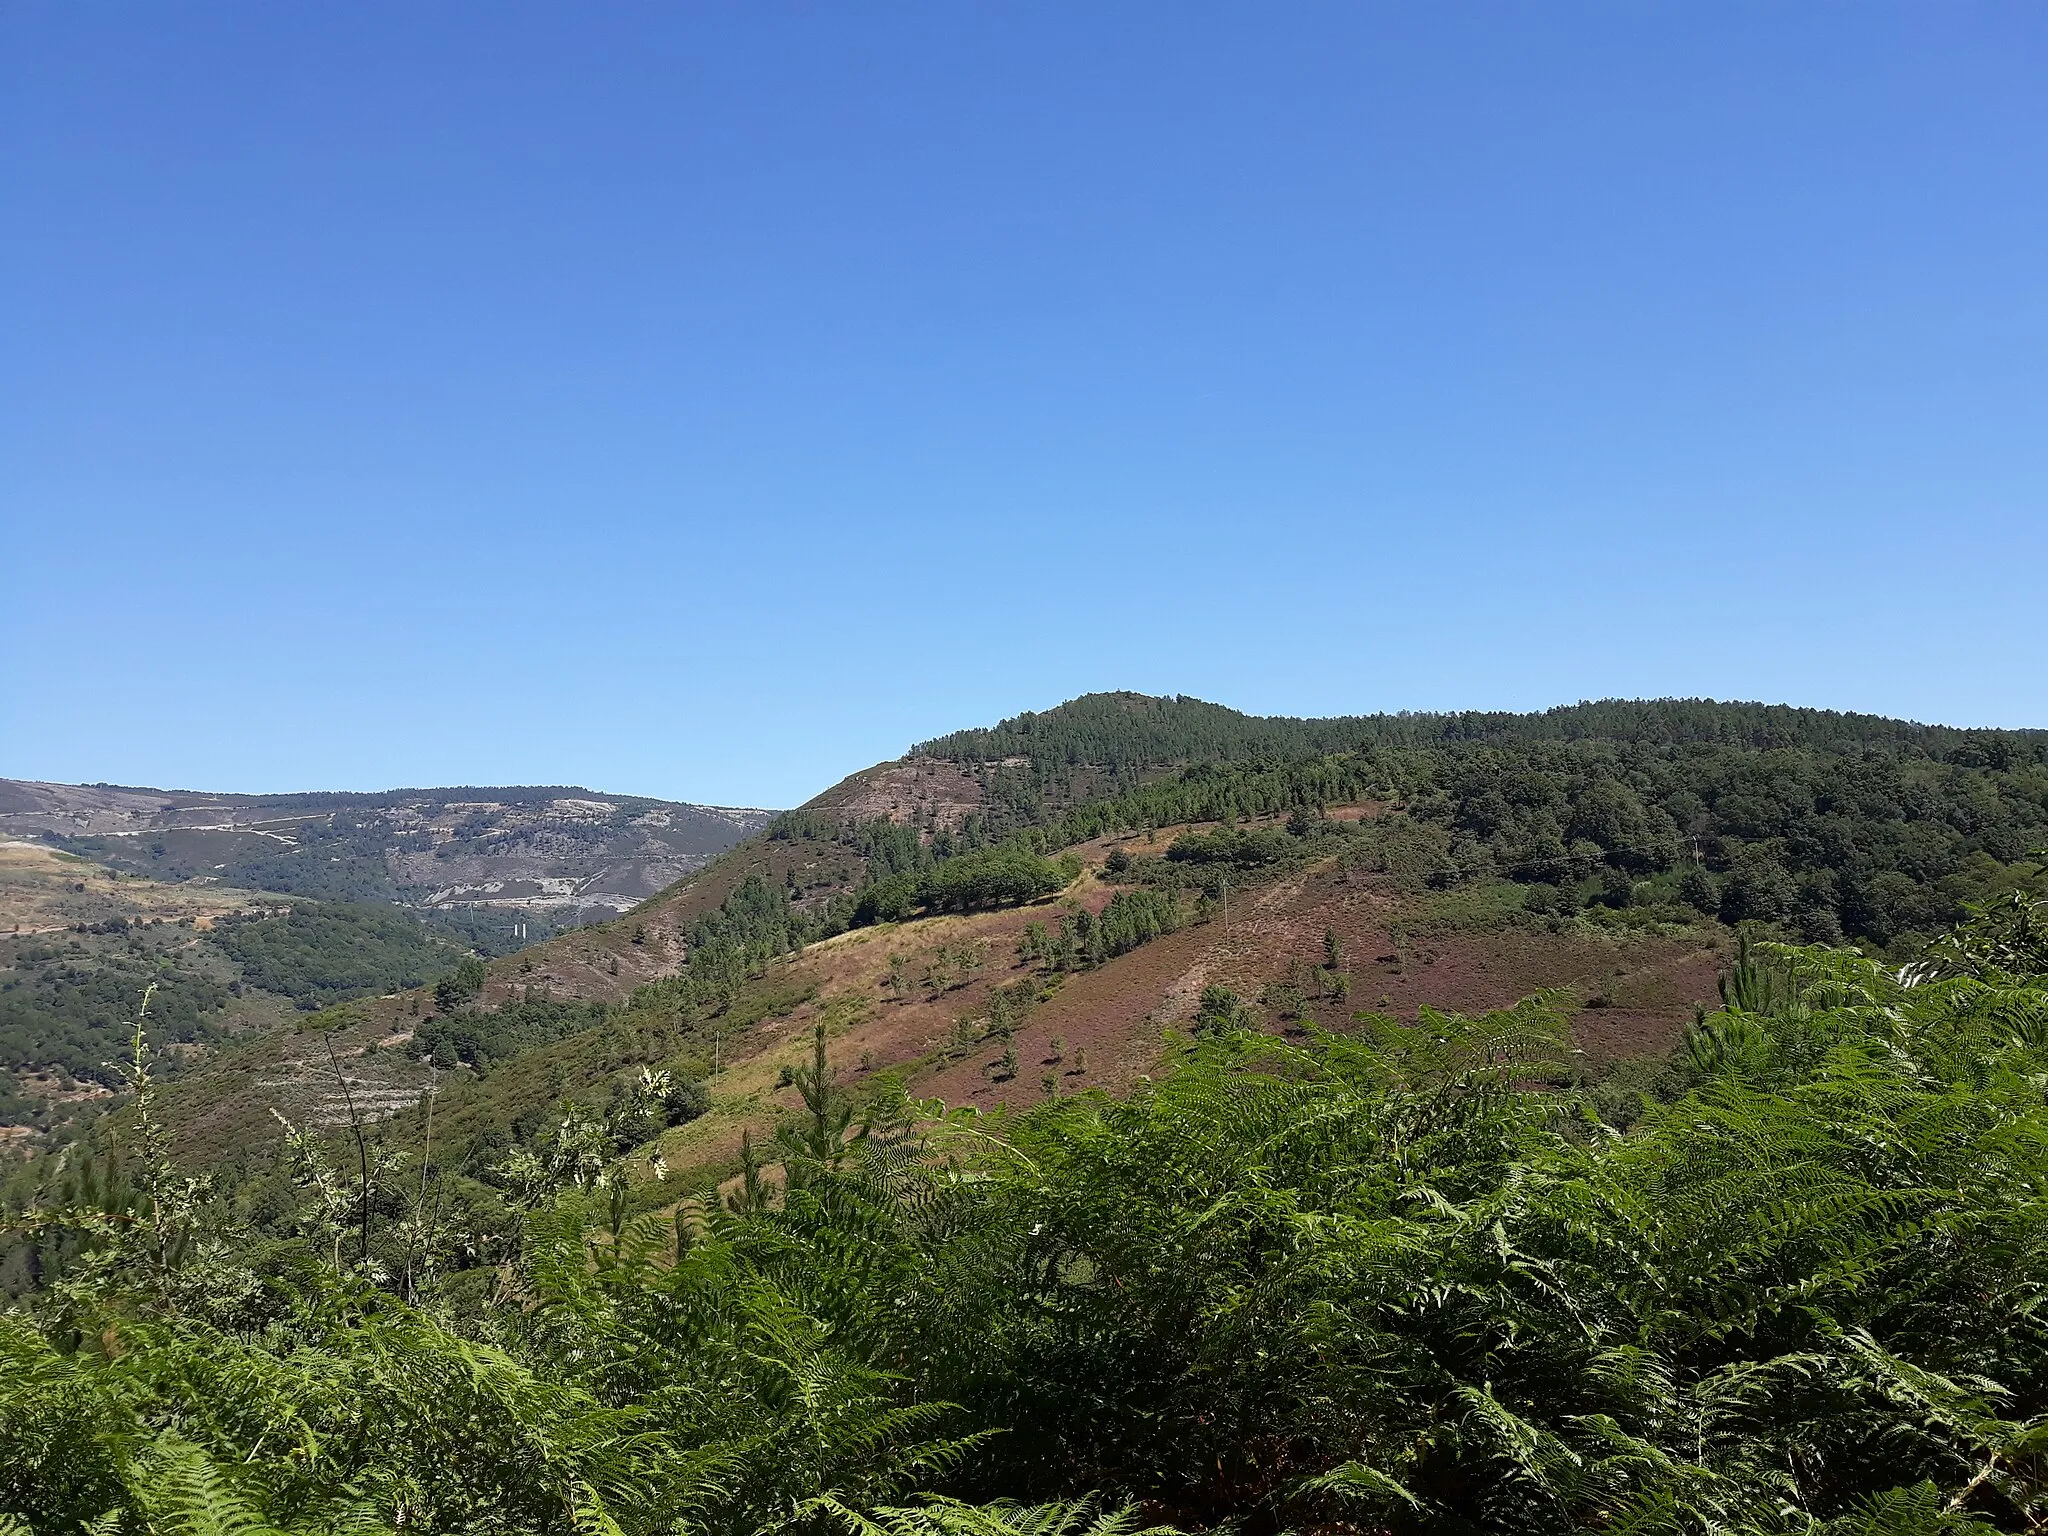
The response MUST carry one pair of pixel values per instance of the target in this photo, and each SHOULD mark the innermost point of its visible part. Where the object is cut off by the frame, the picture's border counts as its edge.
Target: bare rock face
(912, 791)
(563, 852)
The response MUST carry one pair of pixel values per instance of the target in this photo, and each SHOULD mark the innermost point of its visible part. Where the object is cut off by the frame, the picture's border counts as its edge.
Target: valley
(246, 910)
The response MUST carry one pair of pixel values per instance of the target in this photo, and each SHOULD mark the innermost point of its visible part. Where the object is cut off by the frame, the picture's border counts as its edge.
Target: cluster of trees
(992, 877)
(1248, 791)
(1232, 848)
(907, 868)
(67, 1011)
(1137, 917)
(753, 925)
(1871, 845)
(319, 953)
(478, 1038)
(1081, 803)
(981, 877)
(1081, 938)
(1221, 1012)
(1207, 861)
(1413, 1280)
(462, 986)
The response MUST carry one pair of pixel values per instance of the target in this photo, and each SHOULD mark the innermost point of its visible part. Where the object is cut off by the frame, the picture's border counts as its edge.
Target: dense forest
(1418, 1278)
(1129, 730)
(315, 952)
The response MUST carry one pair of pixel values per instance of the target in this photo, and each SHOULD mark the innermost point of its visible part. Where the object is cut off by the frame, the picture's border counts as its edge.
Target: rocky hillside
(550, 856)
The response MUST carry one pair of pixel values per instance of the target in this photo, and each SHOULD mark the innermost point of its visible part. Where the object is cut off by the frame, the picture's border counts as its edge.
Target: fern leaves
(1397, 1282)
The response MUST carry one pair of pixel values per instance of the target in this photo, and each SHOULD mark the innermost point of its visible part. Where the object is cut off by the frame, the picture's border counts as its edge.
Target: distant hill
(244, 910)
(549, 855)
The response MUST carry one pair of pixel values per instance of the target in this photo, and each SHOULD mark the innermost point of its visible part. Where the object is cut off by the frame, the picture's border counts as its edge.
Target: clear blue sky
(709, 400)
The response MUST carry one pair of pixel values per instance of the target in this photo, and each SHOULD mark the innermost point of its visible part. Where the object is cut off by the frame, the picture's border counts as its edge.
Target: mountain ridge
(560, 851)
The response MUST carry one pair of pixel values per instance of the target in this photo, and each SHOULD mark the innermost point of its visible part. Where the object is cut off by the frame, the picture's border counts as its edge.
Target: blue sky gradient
(710, 400)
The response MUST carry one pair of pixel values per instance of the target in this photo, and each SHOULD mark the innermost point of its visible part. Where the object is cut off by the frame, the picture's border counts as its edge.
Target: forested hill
(1124, 730)
(1836, 824)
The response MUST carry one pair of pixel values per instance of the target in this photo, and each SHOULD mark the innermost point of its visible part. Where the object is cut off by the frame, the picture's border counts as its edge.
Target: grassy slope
(1124, 1014)
(44, 890)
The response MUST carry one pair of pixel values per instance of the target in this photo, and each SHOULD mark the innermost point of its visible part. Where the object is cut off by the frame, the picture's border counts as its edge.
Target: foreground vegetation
(1417, 1278)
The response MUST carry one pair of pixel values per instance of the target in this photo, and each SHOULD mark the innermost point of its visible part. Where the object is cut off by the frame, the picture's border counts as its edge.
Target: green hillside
(1820, 827)
(1838, 824)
